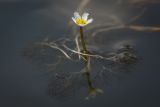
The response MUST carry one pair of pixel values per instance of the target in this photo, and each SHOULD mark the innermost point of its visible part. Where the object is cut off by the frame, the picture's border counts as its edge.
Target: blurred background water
(24, 22)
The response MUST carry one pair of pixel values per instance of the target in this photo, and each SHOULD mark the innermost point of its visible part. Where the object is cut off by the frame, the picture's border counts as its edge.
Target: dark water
(26, 22)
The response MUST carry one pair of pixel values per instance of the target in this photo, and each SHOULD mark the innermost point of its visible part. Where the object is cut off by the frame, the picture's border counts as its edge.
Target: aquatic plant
(92, 62)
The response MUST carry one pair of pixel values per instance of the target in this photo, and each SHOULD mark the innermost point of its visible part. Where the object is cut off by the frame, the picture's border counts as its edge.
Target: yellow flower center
(81, 21)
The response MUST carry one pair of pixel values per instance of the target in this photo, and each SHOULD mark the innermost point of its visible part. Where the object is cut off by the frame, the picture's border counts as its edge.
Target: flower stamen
(81, 21)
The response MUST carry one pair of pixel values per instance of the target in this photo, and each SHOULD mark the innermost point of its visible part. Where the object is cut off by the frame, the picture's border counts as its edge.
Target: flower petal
(85, 16)
(76, 15)
(74, 19)
(89, 21)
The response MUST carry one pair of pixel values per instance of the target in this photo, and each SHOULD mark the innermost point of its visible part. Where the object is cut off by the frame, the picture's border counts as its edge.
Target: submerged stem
(87, 62)
(85, 51)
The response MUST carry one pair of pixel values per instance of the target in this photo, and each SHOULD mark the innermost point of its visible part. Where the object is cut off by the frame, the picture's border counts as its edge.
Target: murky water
(33, 75)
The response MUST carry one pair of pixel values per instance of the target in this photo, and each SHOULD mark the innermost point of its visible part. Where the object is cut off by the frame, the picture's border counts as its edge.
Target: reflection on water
(64, 79)
(58, 59)
(112, 50)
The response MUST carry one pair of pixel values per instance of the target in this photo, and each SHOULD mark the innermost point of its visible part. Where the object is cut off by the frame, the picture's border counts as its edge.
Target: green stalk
(82, 40)
(89, 80)
(86, 57)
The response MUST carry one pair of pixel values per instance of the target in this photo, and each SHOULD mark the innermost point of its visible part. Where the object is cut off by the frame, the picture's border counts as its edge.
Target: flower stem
(83, 41)
(87, 62)
(89, 80)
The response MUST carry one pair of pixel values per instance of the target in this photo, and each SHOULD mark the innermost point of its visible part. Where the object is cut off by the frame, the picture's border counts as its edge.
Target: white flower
(81, 20)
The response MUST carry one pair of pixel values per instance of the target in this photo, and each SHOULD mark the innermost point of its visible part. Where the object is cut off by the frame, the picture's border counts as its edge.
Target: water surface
(23, 83)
